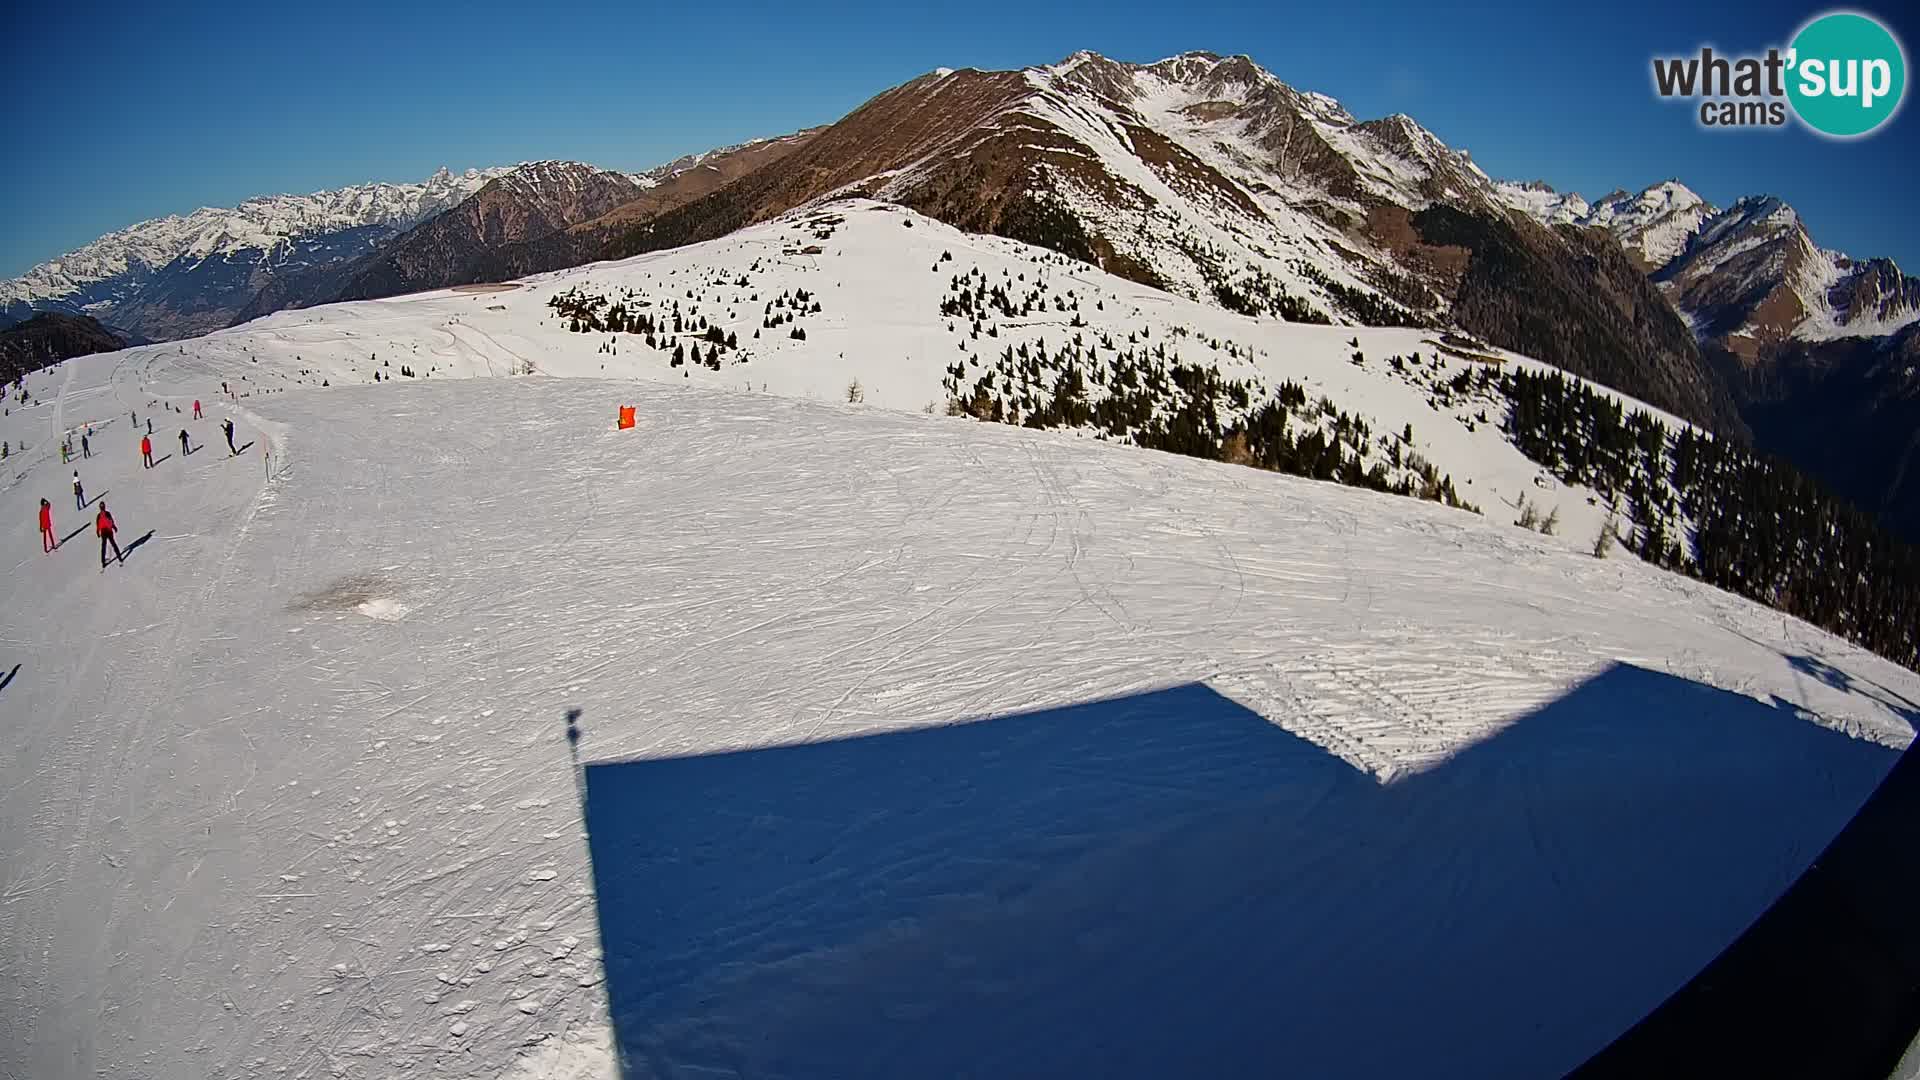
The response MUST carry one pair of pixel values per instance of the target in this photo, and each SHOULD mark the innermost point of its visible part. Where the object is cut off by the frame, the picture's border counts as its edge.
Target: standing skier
(227, 426)
(146, 452)
(79, 494)
(104, 526)
(183, 442)
(196, 408)
(86, 443)
(47, 542)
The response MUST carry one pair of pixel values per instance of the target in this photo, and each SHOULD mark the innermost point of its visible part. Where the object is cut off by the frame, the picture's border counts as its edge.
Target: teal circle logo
(1848, 74)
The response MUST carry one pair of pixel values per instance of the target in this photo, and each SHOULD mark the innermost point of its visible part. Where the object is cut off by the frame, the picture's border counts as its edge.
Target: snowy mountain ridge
(260, 224)
(659, 174)
(180, 276)
(549, 178)
(1203, 172)
(1750, 271)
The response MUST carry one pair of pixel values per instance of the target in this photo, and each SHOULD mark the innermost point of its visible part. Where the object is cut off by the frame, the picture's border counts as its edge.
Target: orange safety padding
(626, 417)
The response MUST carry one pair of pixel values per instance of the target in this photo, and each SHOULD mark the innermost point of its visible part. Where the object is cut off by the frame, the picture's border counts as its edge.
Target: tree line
(1145, 394)
(1742, 521)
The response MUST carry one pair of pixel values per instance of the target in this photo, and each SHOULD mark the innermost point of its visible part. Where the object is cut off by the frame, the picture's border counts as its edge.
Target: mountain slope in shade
(527, 202)
(183, 275)
(1816, 348)
(1574, 296)
(48, 338)
(1845, 409)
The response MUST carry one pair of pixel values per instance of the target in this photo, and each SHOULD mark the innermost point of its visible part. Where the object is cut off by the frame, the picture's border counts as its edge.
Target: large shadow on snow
(1169, 885)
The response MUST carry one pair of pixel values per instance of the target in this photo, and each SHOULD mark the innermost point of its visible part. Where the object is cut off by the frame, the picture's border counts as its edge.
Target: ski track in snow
(288, 794)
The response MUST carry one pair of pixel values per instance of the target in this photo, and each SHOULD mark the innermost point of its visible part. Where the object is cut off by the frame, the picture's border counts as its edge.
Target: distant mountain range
(179, 276)
(1820, 350)
(1201, 174)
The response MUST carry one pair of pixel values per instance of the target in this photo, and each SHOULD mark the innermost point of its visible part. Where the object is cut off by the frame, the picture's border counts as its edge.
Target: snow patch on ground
(578, 1055)
(383, 609)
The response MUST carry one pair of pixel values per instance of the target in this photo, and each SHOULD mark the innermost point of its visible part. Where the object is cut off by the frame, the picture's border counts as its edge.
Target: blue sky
(121, 112)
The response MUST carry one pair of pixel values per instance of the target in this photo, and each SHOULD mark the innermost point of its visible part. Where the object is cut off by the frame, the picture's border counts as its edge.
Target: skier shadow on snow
(244, 447)
(1169, 884)
(8, 679)
(162, 459)
(130, 548)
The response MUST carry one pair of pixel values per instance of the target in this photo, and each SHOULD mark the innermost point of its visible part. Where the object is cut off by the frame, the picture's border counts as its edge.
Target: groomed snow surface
(906, 744)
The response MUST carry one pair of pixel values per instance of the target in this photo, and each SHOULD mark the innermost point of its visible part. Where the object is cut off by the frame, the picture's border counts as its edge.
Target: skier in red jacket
(47, 542)
(104, 526)
(146, 452)
(196, 408)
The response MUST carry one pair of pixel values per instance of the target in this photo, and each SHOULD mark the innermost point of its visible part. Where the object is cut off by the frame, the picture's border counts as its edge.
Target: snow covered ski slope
(880, 275)
(902, 741)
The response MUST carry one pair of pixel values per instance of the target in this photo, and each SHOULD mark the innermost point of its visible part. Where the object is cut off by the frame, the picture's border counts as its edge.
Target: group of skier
(104, 526)
(86, 445)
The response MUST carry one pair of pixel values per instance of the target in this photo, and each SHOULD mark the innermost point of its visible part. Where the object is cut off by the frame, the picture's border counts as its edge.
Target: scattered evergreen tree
(1603, 542)
(1529, 514)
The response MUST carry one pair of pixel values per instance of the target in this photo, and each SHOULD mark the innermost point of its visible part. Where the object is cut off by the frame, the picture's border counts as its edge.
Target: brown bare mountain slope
(694, 177)
(669, 187)
(1208, 177)
(529, 202)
